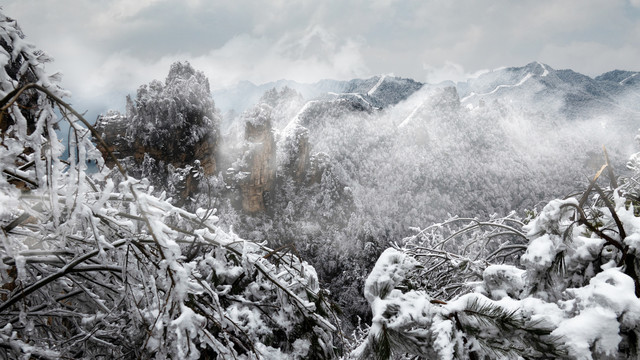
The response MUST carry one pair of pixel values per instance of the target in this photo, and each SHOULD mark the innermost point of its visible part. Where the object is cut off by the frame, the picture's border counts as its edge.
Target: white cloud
(591, 56)
(449, 71)
(308, 56)
(126, 9)
(105, 47)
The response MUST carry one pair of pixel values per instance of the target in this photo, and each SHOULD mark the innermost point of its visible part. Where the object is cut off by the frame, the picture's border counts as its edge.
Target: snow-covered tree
(181, 108)
(169, 134)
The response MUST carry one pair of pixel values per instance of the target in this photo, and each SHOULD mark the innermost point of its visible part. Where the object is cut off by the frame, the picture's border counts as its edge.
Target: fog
(431, 156)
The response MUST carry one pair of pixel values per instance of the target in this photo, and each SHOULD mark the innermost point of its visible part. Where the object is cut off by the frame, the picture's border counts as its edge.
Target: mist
(432, 154)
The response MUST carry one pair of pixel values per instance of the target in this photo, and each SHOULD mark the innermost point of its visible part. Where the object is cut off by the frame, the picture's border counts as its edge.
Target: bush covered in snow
(564, 284)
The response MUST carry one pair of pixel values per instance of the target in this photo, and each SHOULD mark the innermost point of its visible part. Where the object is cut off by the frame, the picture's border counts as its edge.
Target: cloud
(99, 82)
(125, 9)
(449, 71)
(107, 47)
(591, 55)
(308, 56)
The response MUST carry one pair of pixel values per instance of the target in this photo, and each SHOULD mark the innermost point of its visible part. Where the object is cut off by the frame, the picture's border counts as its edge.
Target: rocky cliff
(169, 133)
(259, 159)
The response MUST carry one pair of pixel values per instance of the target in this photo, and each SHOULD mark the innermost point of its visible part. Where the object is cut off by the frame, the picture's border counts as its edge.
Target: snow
(187, 323)
(553, 218)
(248, 319)
(357, 95)
(300, 348)
(545, 71)
(606, 304)
(377, 85)
(633, 241)
(390, 269)
(542, 311)
(587, 248)
(541, 252)
(443, 343)
(503, 280)
(628, 78)
(595, 327)
(611, 289)
(502, 86)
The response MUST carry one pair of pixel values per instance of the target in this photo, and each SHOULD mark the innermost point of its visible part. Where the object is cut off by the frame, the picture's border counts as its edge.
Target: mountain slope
(537, 85)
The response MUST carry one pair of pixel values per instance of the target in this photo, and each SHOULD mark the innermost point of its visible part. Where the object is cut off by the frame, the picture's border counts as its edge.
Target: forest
(389, 220)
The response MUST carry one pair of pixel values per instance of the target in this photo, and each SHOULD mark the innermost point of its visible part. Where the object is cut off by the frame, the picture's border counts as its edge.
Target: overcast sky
(106, 49)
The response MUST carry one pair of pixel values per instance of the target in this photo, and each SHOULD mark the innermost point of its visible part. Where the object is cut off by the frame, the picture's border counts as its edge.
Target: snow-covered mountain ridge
(536, 83)
(574, 94)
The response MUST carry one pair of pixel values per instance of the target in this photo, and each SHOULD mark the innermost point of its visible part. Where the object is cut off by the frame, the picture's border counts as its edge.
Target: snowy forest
(380, 218)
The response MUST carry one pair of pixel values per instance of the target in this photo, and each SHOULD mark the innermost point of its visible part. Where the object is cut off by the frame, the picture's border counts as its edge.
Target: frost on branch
(92, 267)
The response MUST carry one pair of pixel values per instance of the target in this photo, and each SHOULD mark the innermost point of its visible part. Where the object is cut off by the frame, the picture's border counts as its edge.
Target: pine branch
(507, 332)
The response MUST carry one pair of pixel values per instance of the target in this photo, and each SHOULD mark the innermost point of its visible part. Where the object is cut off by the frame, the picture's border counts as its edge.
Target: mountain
(625, 85)
(573, 94)
(392, 140)
(169, 133)
(371, 132)
(379, 91)
(245, 94)
(535, 86)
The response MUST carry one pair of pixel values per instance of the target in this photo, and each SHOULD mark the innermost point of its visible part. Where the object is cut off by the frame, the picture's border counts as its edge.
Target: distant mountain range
(378, 91)
(573, 94)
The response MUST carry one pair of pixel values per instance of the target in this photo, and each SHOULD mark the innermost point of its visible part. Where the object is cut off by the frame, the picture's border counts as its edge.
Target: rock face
(259, 159)
(169, 133)
(112, 127)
